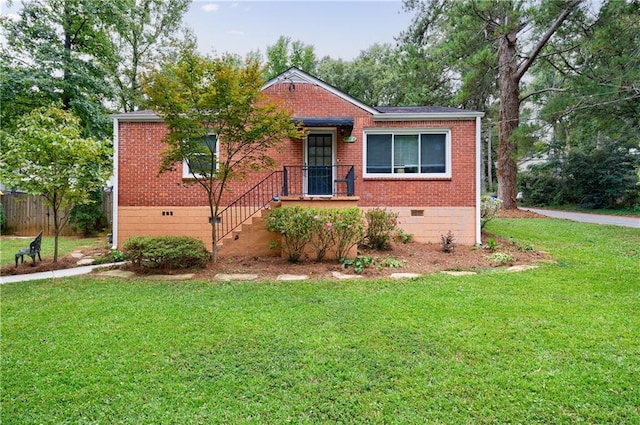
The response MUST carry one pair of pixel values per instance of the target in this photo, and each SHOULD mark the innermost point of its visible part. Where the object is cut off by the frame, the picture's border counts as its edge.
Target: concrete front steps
(250, 239)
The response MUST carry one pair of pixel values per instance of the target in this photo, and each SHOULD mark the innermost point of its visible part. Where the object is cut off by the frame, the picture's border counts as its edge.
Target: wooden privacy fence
(27, 215)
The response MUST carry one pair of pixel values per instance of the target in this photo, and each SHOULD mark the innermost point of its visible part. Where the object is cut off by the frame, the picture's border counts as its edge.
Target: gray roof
(421, 110)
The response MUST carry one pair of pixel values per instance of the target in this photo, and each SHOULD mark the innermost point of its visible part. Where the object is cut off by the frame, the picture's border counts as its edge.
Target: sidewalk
(589, 218)
(53, 274)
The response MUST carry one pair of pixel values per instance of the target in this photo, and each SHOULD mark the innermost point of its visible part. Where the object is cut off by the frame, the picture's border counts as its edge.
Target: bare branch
(550, 89)
(545, 38)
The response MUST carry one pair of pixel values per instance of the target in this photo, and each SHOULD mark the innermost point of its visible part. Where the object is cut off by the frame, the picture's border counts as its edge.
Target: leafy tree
(53, 54)
(199, 96)
(590, 100)
(383, 75)
(141, 32)
(601, 177)
(372, 77)
(486, 41)
(286, 53)
(47, 155)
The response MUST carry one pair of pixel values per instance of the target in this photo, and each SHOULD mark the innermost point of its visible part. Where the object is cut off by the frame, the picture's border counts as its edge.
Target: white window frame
(408, 132)
(186, 173)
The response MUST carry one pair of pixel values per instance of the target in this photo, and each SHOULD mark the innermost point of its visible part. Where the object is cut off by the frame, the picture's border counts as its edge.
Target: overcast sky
(340, 29)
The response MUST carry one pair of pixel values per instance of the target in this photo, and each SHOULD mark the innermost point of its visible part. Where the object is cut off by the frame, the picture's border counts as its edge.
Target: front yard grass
(559, 344)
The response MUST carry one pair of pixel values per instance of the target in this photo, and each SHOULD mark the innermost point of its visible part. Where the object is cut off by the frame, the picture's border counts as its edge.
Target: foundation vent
(417, 213)
(167, 212)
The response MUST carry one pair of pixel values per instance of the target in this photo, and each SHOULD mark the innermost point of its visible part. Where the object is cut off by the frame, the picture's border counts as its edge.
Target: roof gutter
(116, 183)
(427, 116)
(133, 117)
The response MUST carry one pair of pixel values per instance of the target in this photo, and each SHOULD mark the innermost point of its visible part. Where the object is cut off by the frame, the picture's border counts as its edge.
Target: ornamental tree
(46, 155)
(219, 122)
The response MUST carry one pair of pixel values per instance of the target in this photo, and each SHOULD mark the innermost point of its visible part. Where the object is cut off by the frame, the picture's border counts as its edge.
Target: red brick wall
(140, 145)
(457, 191)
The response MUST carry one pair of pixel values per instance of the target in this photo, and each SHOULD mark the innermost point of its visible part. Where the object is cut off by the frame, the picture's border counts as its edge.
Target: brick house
(421, 162)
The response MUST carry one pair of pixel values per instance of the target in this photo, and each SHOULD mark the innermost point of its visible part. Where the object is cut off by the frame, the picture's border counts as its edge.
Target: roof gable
(297, 76)
(294, 75)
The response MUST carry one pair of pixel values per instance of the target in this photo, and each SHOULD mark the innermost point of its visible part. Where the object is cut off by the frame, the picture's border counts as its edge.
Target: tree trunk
(213, 210)
(508, 82)
(56, 230)
(489, 160)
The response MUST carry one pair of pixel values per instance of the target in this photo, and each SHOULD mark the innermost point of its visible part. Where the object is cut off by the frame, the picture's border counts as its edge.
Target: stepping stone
(77, 254)
(521, 268)
(342, 276)
(171, 277)
(455, 273)
(291, 277)
(124, 274)
(85, 262)
(235, 277)
(405, 275)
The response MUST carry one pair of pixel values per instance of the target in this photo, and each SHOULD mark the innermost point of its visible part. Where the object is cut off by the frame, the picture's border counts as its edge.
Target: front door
(319, 164)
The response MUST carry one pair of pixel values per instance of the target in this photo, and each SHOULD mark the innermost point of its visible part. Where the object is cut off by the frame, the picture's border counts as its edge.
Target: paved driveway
(590, 218)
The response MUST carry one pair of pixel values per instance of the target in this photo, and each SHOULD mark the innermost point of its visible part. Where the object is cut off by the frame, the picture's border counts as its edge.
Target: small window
(408, 153)
(203, 163)
(379, 153)
(433, 157)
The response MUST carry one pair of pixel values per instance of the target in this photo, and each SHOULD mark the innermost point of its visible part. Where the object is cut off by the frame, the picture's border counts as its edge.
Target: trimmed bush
(322, 228)
(380, 225)
(348, 230)
(296, 225)
(166, 252)
(322, 238)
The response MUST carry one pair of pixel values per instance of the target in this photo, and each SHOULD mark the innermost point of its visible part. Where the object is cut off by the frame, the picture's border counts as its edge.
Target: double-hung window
(203, 162)
(408, 153)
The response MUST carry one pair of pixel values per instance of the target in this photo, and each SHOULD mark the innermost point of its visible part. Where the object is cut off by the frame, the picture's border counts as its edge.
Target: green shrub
(380, 225)
(166, 252)
(359, 263)
(392, 263)
(88, 218)
(296, 226)
(322, 231)
(348, 230)
(321, 228)
(491, 245)
(489, 208)
(502, 257)
(541, 187)
(602, 175)
(402, 236)
(114, 256)
(3, 219)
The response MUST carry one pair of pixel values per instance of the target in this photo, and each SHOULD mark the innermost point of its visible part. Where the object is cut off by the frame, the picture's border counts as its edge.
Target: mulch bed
(418, 257)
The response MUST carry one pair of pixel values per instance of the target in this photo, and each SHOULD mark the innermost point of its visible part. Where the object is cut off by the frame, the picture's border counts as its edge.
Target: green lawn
(559, 344)
(10, 245)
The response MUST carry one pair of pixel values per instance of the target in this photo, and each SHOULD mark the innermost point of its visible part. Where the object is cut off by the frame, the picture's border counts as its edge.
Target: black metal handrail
(293, 180)
(319, 180)
(247, 205)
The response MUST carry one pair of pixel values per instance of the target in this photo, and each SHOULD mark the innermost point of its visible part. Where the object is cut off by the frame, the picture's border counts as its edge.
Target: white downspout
(478, 178)
(114, 212)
